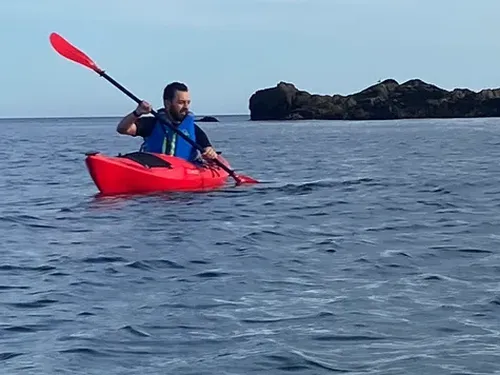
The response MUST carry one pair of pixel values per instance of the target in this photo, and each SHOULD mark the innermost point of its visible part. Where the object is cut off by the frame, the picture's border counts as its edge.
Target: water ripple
(379, 257)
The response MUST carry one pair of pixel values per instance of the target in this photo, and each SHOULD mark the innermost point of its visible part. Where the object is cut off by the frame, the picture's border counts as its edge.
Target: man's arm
(204, 142)
(133, 125)
(201, 137)
(128, 125)
(136, 126)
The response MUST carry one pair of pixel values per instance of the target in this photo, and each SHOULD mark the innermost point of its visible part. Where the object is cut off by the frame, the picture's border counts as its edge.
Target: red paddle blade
(66, 49)
(245, 180)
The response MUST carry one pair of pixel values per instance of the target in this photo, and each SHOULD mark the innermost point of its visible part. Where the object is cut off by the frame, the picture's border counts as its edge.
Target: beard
(178, 116)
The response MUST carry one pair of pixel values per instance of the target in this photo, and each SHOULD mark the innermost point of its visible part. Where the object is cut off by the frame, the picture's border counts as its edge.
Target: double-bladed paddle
(66, 49)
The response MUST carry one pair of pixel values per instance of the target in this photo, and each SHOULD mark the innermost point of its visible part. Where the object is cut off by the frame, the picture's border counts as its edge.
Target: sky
(225, 50)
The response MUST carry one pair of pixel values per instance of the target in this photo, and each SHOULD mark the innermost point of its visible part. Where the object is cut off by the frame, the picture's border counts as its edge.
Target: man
(158, 137)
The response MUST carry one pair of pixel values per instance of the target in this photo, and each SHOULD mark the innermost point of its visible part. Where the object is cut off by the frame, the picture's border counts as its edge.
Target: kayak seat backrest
(146, 159)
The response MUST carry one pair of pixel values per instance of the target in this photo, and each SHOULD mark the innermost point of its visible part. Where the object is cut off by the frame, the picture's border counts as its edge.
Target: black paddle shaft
(189, 140)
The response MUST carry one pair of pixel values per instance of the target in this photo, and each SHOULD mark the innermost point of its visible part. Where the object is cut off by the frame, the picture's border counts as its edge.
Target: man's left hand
(209, 153)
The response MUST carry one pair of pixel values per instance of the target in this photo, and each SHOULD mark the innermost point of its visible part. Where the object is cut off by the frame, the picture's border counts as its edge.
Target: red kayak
(142, 172)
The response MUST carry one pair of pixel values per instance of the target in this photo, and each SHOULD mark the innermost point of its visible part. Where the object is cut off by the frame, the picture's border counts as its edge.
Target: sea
(368, 247)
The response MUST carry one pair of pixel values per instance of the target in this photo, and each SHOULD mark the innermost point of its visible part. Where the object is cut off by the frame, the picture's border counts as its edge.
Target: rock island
(383, 101)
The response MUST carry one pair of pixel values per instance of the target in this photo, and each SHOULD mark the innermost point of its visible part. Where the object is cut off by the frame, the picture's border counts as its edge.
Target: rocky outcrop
(382, 101)
(207, 119)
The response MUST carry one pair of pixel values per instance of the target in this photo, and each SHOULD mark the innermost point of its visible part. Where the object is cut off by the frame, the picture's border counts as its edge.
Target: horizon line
(106, 116)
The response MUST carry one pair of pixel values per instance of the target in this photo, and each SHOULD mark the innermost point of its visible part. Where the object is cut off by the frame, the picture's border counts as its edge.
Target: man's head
(176, 100)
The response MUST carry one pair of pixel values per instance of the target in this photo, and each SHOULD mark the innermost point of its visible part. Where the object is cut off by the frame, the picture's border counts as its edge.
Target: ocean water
(369, 248)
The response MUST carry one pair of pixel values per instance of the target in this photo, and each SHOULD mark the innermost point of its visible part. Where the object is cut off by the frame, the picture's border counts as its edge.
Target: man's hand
(209, 153)
(143, 108)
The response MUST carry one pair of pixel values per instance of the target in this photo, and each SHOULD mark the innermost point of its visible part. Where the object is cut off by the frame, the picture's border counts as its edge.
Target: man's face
(179, 106)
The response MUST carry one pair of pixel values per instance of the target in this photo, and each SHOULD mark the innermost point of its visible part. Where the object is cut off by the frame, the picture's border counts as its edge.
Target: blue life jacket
(172, 143)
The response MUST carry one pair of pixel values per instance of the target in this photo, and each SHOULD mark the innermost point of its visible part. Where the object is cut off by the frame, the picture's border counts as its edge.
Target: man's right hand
(127, 125)
(143, 108)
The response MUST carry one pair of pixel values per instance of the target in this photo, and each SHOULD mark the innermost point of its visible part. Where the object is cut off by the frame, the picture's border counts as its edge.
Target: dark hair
(172, 88)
